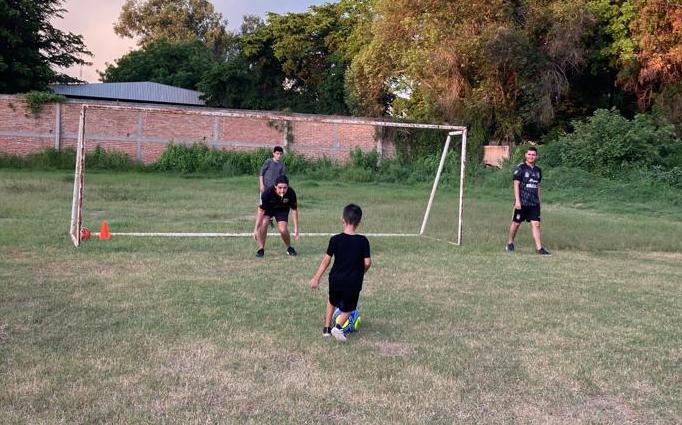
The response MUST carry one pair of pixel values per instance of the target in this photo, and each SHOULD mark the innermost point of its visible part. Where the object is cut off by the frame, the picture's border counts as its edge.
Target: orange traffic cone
(104, 234)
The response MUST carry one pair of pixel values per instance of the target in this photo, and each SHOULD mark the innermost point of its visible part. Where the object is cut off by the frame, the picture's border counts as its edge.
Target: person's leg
(537, 237)
(513, 229)
(329, 312)
(256, 226)
(343, 316)
(283, 228)
(262, 232)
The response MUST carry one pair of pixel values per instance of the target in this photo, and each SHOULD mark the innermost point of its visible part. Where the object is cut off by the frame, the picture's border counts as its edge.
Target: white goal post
(79, 175)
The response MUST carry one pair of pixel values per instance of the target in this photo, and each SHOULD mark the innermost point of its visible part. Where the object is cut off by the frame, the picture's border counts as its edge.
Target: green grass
(145, 330)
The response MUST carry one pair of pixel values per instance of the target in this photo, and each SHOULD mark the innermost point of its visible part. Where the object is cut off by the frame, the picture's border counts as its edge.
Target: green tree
(307, 54)
(31, 47)
(235, 84)
(180, 64)
(174, 20)
(501, 67)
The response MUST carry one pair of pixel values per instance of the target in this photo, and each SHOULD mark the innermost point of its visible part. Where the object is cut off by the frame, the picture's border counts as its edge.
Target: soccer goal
(141, 215)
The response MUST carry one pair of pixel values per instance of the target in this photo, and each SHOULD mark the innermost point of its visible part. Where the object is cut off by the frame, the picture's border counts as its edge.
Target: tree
(174, 20)
(499, 66)
(308, 53)
(30, 46)
(657, 32)
(180, 64)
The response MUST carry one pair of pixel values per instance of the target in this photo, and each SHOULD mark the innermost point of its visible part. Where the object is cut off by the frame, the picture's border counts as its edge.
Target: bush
(35, 100)
(672, 177)
(101, 159)
(608, 144)
(46, 159)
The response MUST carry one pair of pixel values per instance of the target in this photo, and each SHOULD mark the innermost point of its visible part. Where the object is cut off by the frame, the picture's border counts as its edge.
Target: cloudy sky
(94, 20)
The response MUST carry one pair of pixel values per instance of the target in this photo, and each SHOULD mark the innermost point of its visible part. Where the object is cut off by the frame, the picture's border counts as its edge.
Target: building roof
(147, 91)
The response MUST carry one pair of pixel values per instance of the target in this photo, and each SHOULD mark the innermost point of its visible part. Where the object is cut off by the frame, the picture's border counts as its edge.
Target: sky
(94, 20)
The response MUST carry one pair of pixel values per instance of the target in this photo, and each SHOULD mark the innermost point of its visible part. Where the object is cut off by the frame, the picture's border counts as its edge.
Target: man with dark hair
(527, 177)
(276, 203)
(271, 169)
(351, 261)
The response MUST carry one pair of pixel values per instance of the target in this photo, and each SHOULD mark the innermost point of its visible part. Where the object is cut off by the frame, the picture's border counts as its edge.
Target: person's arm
(295, 218)
(368, 263)
(315, 281)
(263, 170)
(517, 195)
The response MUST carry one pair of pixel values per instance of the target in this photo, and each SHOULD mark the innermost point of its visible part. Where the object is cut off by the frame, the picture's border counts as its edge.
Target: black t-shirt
(529, 183)
(349, 252)
(272, 202)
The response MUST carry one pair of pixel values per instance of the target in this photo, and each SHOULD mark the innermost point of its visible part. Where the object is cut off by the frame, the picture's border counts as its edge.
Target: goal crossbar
(77, 204)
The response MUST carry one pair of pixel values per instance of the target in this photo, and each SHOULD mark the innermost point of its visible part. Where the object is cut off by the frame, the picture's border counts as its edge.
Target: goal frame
(79, 172)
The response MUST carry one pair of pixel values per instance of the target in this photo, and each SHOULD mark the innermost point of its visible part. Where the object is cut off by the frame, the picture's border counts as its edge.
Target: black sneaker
(326, 332)
(509, 247)
(542, 251)
(291, 251)
(260, 253)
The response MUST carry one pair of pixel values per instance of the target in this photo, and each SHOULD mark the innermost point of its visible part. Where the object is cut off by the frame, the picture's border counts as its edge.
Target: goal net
(156, 205)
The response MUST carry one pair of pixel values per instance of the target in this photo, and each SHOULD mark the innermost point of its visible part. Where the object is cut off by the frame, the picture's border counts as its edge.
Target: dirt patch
(395, 349)
(594, 409)
(4, 333)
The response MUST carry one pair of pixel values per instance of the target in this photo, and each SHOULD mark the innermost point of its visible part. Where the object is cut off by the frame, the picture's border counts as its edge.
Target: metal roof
(138, 92)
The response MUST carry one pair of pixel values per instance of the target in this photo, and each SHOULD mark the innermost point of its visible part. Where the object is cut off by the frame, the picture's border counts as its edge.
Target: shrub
(35, 100)
(101, 159)
(608, 144)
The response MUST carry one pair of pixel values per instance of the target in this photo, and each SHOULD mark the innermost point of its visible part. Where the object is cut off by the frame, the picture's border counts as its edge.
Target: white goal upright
(452, 132)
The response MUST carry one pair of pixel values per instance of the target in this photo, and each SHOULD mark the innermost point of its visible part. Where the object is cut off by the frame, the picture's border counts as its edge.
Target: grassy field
(152, 330)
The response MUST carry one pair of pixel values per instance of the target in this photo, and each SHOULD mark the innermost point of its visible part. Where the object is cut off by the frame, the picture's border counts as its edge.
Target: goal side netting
(191, 208)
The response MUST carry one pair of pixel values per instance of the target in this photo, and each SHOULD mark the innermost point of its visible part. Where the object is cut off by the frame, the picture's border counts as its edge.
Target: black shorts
(346, 301)
(280, 215)
(527, 213)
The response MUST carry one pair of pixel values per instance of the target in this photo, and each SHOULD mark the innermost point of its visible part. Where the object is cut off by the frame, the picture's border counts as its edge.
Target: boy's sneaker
(542, 251)
(338, 334)
(509, 247)
(260, 253)
(326, 332)
(291, 251)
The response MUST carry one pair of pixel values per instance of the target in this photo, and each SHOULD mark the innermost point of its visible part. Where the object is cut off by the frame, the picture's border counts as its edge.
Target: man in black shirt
(276, 202)
(527, 178)
(351, 261)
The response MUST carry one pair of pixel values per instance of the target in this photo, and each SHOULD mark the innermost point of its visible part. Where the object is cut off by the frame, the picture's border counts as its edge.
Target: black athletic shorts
(280, 215)
(345, 301)
(527, 213)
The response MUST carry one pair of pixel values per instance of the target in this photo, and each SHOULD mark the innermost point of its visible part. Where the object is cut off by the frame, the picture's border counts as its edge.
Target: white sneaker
(338, 334)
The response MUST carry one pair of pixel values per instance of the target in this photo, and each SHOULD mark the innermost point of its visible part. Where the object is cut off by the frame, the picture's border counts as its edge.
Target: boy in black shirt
(277, 202)
(527, 178)
(351, 261)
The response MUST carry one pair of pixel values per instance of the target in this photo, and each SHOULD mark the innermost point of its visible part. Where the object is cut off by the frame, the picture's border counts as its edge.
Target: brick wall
(144, 134)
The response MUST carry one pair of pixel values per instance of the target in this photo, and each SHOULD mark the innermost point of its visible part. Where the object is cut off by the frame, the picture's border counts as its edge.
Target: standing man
(271, 169)
(276, 203)
(527, 178)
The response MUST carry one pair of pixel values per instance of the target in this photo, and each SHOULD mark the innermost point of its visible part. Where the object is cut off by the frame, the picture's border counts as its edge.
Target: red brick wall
(144, 134)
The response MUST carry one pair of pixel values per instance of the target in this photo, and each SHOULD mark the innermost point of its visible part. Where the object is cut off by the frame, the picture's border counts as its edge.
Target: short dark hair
(532, 148)
(352, 214)
(282, 179)
(278, 149)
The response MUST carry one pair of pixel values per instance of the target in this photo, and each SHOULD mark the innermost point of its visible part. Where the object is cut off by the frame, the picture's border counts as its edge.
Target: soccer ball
(353, 322)
(85, 234)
